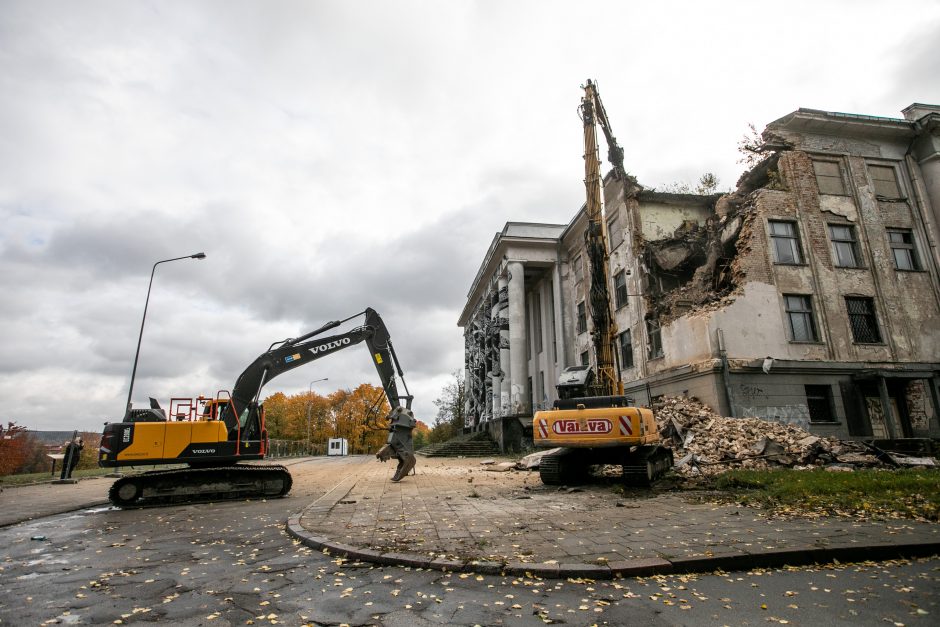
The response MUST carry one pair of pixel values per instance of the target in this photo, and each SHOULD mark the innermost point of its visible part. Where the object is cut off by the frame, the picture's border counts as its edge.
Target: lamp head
(198, 256)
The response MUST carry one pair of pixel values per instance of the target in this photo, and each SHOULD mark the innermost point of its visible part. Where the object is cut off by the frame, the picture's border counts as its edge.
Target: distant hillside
(52, 437)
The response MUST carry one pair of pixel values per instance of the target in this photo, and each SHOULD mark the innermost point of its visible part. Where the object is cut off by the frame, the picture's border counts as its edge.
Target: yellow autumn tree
(357, 415)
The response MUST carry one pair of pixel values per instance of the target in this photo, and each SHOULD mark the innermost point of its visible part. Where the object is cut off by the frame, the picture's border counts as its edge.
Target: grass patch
(39, 477)
(78, 473)
(881, 493)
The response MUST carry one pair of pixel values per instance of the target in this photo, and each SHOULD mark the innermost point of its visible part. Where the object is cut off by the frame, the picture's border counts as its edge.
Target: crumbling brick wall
(916, 395)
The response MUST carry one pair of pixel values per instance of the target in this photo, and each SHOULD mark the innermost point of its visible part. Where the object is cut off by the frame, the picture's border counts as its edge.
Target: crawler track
(566, 467)
(195, 485)
(642, 466)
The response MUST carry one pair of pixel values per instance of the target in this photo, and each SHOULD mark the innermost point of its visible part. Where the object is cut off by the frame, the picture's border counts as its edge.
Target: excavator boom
(592, 422)
(604, 331)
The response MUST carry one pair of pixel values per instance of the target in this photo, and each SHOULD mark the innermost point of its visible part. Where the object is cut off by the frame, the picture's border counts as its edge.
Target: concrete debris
(909, 461)
(705, 443)
(501, 467)
(531, 462)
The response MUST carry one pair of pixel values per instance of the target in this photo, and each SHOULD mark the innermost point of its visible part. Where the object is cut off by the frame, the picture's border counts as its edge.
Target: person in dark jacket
(73, 454)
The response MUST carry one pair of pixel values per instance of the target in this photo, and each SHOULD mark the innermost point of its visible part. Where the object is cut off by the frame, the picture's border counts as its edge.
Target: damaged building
(809, 295)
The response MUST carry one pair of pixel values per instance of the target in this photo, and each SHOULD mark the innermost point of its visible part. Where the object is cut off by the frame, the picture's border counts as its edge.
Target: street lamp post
(309, 404)
(130, 392)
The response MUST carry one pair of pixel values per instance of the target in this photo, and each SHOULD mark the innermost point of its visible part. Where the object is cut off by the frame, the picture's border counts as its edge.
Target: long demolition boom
(604, 330)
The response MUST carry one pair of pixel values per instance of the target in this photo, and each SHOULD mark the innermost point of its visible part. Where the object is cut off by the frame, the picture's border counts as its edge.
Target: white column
(563, 357)
(505, 387)
(517, 335)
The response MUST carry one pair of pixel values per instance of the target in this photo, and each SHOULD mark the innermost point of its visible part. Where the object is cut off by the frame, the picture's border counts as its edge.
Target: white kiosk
(337, 446)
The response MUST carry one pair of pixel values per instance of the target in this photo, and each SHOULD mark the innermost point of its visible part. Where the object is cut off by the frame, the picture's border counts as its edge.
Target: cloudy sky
(331, 156)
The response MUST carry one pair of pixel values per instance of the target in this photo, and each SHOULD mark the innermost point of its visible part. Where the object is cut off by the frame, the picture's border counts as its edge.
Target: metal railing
(289, 448)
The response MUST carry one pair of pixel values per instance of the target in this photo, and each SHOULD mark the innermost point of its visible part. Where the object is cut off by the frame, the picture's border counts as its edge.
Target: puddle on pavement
(69, 619)
(98, 510)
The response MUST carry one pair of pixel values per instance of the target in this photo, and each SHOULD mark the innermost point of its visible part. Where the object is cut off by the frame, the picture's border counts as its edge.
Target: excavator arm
(293, 353)
(604, 329)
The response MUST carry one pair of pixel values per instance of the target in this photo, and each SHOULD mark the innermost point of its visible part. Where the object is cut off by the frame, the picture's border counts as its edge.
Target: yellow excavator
(212, 436)
(592, 421)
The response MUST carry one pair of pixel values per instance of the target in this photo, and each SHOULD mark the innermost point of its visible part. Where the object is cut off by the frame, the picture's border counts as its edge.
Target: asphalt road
(233, 564)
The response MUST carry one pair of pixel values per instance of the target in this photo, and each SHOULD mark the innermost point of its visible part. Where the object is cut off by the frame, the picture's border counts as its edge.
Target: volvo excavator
(592, 421)
(212, 436)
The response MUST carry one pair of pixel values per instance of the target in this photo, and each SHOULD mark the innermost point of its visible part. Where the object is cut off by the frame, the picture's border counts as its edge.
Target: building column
(517, 334)
(505, 386)
(559, 330)
(886, 408)
(496, 370)
(933, 424)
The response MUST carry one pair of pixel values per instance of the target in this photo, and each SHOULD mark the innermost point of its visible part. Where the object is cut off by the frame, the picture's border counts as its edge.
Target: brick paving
(456, 512)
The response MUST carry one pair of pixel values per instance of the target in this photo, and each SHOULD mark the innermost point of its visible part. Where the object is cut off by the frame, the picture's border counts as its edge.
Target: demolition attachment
(401, 422)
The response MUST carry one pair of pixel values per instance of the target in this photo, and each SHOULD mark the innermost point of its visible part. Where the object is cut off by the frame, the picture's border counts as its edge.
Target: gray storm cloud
(330, 156)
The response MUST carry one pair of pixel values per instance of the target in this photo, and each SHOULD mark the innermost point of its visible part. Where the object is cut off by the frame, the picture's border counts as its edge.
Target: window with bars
(844, 246)
(614, 232)
(620, 289)
(799, 310)
(862, 319)
(829, 177)
(655, 339)
(786, 242)
(819, 403)
(885, 180)
(582, 318)
(626, 350)
(903, 250)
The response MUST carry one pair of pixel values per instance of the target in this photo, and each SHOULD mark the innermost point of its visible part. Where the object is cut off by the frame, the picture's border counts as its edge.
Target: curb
(643, 567)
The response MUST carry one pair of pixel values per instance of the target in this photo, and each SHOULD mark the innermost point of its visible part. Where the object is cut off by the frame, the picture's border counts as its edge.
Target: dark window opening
(862, 320)
(626, 350)
(903, 250)
(582, 318)
(654, 335)
(620, 289)
(800, 315)
(614, 232)
(844, 246)
(819, 402)
(786, 242)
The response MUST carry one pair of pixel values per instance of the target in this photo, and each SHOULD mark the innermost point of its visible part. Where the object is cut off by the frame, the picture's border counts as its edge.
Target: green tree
(451, 409)
(707, 184)
(752, 147)
(420, 435)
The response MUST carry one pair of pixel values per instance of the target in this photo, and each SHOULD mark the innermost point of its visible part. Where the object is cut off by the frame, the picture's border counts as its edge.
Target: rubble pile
(705, 443)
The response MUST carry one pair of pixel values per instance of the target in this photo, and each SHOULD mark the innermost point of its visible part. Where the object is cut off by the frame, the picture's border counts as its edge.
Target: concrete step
(478, 446)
